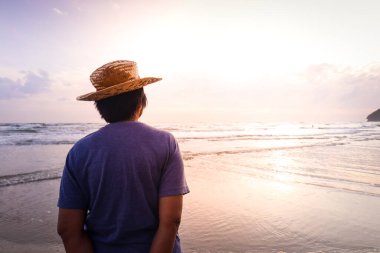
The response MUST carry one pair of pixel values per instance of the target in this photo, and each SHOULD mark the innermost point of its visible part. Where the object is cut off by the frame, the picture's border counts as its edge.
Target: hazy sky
(236, 60)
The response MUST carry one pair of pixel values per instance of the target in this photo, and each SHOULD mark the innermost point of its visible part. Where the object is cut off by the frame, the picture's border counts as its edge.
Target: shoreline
(270, 199)
(28, 220)
(12, 247)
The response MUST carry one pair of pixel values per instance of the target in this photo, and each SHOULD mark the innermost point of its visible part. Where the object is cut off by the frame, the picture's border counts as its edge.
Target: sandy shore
(11, 247)
(28, 218)
(227, 210)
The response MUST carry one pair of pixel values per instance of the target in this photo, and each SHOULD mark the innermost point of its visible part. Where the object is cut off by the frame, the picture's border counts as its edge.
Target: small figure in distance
(122, 186)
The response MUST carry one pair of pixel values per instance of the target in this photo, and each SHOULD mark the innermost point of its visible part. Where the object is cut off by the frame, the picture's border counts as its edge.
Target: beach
(255, 187)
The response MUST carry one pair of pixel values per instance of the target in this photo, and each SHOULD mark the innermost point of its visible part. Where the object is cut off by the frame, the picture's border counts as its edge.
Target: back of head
(124, 106)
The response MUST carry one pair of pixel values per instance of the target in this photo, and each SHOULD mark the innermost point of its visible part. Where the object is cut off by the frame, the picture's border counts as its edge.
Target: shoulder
(134, 132)
(153, 131)
(85, 143)
(156, 137)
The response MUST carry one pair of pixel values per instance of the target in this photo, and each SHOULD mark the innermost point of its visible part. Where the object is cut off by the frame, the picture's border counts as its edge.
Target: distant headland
(375, 116)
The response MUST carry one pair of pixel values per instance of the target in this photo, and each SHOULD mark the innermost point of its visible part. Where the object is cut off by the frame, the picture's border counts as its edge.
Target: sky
(221, 61)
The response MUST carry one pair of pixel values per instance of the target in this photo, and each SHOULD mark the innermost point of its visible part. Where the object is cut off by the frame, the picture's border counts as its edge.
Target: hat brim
(118, 89)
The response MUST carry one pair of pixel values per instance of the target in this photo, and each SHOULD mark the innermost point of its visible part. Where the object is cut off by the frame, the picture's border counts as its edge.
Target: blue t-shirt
(118, 174)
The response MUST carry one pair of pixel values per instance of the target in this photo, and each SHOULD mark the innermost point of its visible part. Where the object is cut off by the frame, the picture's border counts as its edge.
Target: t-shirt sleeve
(71, 193)
(173, 181)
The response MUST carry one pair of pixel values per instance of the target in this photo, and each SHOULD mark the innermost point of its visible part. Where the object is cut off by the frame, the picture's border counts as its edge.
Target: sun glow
(281, 166)
(241, 48)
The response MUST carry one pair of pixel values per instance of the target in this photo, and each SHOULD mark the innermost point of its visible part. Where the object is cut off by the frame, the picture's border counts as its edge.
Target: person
(122, 186)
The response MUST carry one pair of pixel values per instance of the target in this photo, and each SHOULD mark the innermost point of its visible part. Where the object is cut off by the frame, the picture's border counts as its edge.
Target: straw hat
(115, 78)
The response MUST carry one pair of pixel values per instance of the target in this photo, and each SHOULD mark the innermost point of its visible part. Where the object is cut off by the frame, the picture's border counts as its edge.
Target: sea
(254, 187)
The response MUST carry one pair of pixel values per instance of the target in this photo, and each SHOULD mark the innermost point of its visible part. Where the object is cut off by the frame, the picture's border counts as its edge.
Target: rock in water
(375, 116)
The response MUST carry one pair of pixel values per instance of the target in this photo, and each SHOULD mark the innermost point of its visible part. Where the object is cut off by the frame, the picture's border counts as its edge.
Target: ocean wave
(336, 180)
(22, 128)
(24, 178)
(29, 142)
(191, 155)
(68, 133)
(42, 142)
(347, 189)
(44, 134)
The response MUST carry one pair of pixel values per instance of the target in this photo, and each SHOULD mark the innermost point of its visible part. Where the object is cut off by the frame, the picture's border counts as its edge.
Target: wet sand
(225, 212)
(292, 200)
(232, 212)
(28, 218)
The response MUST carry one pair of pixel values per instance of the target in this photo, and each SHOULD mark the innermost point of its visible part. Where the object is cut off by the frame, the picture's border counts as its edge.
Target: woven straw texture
(115, 78)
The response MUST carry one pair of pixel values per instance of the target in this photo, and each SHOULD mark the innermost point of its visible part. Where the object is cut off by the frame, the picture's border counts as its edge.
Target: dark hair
(121, 107)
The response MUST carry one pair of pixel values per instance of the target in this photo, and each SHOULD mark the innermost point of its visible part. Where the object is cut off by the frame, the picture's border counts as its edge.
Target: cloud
(31, 83)
(344, 85)
(58, 12)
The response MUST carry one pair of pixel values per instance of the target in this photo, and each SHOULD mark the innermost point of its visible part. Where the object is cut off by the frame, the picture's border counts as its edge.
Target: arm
(170, 210)
(70, 228)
